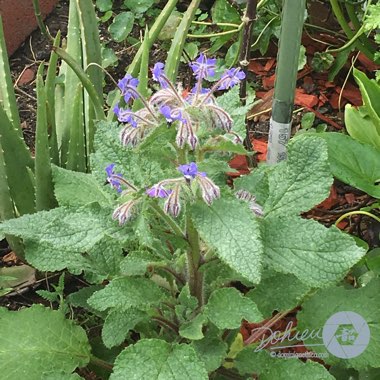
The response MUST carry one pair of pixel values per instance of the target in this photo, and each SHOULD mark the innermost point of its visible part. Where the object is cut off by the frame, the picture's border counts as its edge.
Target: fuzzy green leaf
(39, 340)
(227, 307)
(193, 329)
(127, 292)
(117, 325)
(363, 301)
(317, 255)
(303, 181)
(269, 296)
(137, 262)
(230, 227)
(211, 350)
(78, 189)
(248, 362)
(153, 359)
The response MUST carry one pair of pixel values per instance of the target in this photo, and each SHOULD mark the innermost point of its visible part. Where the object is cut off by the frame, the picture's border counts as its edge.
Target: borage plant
(165, 267)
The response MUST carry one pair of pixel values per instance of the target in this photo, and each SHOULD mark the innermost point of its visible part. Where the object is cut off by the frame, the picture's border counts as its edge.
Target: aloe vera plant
(64, 132)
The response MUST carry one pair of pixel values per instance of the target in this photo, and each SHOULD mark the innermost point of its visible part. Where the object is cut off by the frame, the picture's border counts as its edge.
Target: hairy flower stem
(195, 277)
(166, 324)
(168, 220)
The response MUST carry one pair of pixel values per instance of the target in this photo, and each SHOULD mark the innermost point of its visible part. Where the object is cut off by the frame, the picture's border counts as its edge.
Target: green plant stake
(293, 14)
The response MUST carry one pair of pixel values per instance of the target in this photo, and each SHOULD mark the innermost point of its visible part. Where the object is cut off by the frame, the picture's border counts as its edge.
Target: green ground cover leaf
(230, 227)
(250, 362)
(269, 296)
(227, 307)
(127, 292)
(317, 255)
(121, 26)
(303, 181)
(364, 301)
(39, 340)
(153, 359)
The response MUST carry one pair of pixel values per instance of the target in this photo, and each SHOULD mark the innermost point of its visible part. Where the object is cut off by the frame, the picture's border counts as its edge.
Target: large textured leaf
(78, 189)
(39, 340)
(269, 296)
(157, 164)
(155, 359)
(315, 254)
(354, 163)
(303, 181)
(227, 307)
(77, 229)
(363, 301)
(230, 227)
(127, 292)
(248, 362)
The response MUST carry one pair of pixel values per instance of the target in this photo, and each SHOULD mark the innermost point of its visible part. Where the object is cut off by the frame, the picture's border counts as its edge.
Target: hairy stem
(195, 277)
(101, 363)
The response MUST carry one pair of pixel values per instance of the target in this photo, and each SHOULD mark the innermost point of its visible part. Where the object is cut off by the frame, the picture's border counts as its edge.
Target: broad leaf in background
(230, 227)
(317, 255)
(75, 189)
(363, 301)
(153, 359)
(269, 296)
(354, 163)
(303, 181)
(39, 340)
(363, 124)
(248, 362)
(227, 307)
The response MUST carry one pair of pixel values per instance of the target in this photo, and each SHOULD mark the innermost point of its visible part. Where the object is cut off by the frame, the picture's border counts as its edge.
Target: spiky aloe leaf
(50, 101)
(44, 183)
(76, 158)
(91, 60)
(17, 160)
(7, 95)
(176, 48)
(74, 48)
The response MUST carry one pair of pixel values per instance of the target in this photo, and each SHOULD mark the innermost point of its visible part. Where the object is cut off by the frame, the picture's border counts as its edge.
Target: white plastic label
(279, 134)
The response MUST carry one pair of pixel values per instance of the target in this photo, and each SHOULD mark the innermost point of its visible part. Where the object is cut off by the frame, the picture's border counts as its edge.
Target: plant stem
(364, 48)
(101, 363)
(168, 220)
(344, 216)
(40, 22)
(193, 261)
(245, 49)
(165, 323)
(210, 35)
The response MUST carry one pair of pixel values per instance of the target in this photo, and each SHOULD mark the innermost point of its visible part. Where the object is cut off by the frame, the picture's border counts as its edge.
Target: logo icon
(346, 334)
